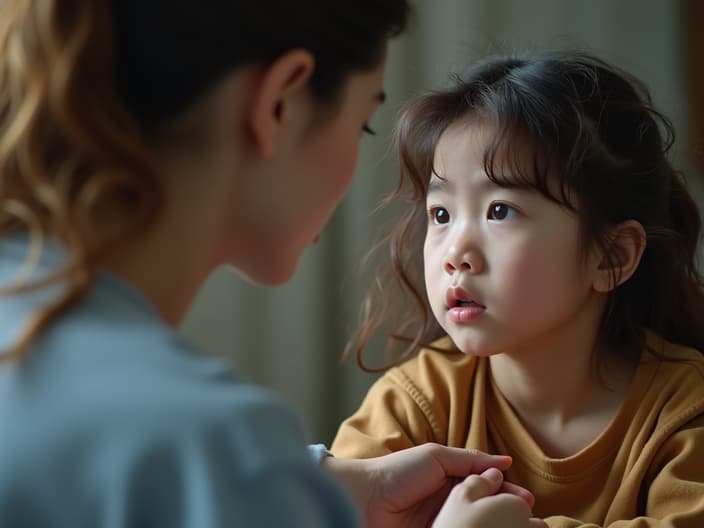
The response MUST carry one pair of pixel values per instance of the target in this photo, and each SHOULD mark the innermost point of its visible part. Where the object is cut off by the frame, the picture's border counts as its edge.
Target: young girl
(559, 265)
(142, 144)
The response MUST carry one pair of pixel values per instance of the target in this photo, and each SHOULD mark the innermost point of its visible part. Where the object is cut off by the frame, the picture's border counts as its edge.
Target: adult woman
(145, 143)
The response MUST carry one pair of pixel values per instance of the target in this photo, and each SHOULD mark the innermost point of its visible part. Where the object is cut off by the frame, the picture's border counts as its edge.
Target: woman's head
(598, 149)
(94, 94)
(168, 55)
(94, 84)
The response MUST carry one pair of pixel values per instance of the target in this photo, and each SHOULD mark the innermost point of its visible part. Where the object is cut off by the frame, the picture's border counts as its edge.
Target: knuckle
(473, 487)
(431, 447)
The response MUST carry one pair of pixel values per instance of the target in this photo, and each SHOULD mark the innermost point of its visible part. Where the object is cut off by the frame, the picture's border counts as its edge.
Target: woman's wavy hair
(595, 127)
(86, 87)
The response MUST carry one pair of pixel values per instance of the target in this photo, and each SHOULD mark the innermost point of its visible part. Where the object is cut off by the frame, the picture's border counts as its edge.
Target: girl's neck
(557, 393)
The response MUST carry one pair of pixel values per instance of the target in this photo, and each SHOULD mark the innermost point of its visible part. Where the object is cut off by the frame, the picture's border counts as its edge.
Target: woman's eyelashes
(368, 130)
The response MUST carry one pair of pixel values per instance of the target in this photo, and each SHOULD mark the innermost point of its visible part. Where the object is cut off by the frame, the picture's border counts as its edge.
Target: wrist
(353, 475)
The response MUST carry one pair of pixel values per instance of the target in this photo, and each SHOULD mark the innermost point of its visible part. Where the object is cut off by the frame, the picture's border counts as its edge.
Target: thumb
(476, 487)
(458, 462)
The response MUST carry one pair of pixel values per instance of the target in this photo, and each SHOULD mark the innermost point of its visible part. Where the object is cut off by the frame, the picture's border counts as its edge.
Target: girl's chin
(472, 349)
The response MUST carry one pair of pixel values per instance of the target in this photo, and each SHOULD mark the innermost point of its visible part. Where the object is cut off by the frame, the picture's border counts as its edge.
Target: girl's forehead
(478, 151)
(462, 138)
(472, 140)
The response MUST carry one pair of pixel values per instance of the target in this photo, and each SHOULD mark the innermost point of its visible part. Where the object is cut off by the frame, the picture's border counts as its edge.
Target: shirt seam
(404, 381)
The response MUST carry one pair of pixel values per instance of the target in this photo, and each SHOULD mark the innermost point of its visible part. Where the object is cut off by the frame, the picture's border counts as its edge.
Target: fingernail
(505, 459)
(493, 474)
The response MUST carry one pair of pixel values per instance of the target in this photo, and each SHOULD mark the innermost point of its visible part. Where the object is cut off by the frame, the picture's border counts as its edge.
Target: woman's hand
(408, 488)
(478, 502)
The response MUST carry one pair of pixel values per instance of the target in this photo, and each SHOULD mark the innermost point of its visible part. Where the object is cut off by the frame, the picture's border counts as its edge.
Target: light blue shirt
(111, 421)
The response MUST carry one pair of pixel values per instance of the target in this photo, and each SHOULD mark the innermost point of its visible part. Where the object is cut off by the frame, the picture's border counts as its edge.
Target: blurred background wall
(291, 338)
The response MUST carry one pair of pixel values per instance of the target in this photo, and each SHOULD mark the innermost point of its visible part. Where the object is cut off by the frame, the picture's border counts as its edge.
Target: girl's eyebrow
(439, 185)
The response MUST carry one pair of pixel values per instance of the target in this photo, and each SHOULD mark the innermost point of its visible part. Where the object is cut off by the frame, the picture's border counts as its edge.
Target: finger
(458, 462)
(519, 491)
(476, 487)
(534, 522)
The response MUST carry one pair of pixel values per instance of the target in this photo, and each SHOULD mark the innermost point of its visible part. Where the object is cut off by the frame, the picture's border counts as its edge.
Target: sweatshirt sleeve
(673, 492)
(394, 415)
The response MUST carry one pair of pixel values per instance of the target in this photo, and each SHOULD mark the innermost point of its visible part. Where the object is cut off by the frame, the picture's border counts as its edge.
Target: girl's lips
(461, 306)
(465, 314)
(456, 297)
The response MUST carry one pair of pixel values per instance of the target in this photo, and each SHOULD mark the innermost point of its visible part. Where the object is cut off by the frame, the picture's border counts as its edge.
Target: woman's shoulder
(160, 444)
(163, 392)
(111, 370)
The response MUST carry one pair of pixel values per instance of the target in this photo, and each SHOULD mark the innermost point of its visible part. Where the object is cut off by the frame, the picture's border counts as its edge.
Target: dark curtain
(694, 61)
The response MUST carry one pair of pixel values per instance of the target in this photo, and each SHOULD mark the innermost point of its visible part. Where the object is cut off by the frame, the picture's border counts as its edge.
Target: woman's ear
(626, 244)
(276, 90)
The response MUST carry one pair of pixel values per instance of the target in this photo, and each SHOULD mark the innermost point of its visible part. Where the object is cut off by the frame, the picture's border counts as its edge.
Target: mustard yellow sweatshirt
(646, 469)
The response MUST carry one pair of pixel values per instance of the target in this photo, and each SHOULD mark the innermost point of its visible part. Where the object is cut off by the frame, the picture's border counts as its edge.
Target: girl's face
(503, 267)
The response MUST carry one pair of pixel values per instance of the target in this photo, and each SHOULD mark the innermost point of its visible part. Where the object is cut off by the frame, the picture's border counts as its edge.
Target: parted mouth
(458, 298)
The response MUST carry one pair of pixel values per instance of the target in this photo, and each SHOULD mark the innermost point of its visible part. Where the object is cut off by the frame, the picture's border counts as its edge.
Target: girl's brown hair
(594, 126)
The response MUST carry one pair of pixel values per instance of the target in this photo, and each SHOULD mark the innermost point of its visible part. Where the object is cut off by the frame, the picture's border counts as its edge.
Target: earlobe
(277, 90)
(627, 243)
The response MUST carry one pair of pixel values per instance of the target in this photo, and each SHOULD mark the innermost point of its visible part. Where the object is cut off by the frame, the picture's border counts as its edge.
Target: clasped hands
(445, 487)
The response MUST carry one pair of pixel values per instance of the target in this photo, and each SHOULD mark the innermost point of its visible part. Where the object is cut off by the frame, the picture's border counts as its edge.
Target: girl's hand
(478, 502)
(407, 488)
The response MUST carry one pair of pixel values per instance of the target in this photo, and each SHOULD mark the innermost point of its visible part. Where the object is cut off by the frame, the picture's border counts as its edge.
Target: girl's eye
(368, 130)
(439, 215)
(501, 211)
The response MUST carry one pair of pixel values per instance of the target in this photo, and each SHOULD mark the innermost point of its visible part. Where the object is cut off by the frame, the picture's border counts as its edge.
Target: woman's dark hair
(594, 126)
(87, 86)
(168, 52)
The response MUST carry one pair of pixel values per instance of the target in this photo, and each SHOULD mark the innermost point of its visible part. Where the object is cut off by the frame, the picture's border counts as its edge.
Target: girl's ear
(627, 242)
(277, 89)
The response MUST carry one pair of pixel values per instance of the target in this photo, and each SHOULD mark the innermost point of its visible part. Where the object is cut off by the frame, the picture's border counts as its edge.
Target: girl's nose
(463, 260)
